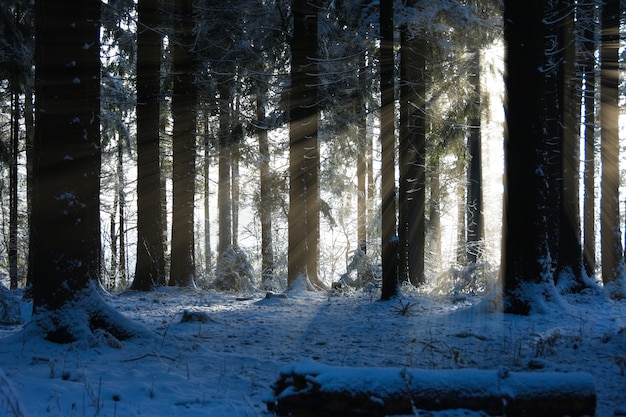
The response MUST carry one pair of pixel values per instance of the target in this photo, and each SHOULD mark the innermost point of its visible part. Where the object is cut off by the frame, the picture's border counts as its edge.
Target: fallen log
(310, 389)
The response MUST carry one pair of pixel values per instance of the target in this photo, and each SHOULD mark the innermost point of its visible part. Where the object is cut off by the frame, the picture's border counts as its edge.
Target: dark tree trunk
(207, 196)
(235, 156)
(304, 223)
(526, 264)
(184, 101)
(361, 163)
(613, 274)
(265, 193)
(224, 200)
(13, 180)
(474, 204)
(66, 219)
(389, 244)
(121, 197)
(569, 273)
(587, 15)
(150, 266)
(412, 153)
(435, 213)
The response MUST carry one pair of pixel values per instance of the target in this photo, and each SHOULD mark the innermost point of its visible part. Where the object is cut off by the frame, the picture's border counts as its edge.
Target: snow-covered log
(311, 389)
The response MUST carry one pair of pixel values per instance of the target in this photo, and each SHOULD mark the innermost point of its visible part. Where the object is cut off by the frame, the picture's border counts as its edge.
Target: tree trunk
(587, 20)
(389, 244)
(150, 266)
(207, 196)
(265, 193)
(569, 274)
(235, 150)
(184, 101)
(526, 276)
(224, 201)
(435, 215)
(309, 389)
(66, 221)
(412, 143)
(361, 163)
(304, 223)
(121, 197)
(13, 198)
(474, 204)
(613, 275)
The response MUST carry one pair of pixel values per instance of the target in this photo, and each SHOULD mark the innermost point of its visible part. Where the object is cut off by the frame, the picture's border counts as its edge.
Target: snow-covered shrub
(233, 271)
(473, 279)
(361, 272)
(9, 307)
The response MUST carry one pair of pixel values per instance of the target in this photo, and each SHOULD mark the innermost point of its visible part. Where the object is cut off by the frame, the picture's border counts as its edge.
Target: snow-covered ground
(226, 365)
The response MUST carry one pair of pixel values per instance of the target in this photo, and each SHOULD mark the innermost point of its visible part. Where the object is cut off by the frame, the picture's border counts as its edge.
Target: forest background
(336, 141)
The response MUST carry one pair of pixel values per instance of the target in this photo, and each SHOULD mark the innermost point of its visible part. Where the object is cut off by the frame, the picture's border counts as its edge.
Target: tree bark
(265, 192)
(66, 221)
(150, 264)
(613, 274)
(224, 199)
(474, 205)
(587, 12)
(389, 244)
(412, 159)
(569, 274)
(304, 205)
(184, 102)
(308, 389)
(13, 179)
(526, 275)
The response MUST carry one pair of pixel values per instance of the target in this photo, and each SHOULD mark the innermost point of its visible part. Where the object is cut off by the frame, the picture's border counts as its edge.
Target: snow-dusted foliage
(9, 403)
(361, 271)
(474, 279)
(233, 271)
(9, 308)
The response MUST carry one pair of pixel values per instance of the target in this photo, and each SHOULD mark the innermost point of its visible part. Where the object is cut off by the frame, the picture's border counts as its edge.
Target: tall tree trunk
(113, 246)
(29, 123)
(224, 172)
(265, 193)
(435, 214)
(304, 156)
(361, 163)
(184, 101)
(150, 266)
(13, 198)
(613, 274)
(474, 205)
(587, 15)
(412, 155)
(461, 200)
(66, 219)
(526, 276)
(121, 197)
(569, 273)
(234, 184)
(207, 195)
(389, 244)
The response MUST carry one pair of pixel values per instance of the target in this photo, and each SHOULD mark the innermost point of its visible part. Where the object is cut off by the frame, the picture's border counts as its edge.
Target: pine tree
(66, 211)
(613, 273)
(184, 102)
(526, 264)
(389, 245)
(304, 225)
(150, 264)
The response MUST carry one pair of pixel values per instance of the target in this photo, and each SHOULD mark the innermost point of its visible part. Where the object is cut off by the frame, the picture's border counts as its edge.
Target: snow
(224, 365)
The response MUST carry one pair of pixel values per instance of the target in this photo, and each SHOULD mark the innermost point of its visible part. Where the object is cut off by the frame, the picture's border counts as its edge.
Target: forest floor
(225, 366)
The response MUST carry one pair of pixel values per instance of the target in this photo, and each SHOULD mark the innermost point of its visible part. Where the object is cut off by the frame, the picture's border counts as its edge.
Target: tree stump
(309, 389)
